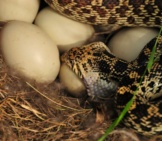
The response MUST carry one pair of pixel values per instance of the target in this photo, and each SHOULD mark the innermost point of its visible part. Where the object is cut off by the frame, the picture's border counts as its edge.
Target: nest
(30, 112)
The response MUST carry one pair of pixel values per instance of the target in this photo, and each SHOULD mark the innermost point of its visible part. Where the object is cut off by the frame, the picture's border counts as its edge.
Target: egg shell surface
(66, 33)
(23, 10)
(29, 52)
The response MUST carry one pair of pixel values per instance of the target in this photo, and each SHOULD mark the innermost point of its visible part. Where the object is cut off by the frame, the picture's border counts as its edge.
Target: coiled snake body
(104, 74)
(111, 12)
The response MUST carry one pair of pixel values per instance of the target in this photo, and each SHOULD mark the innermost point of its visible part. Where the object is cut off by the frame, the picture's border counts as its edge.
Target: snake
(111, 13)
(106, 75)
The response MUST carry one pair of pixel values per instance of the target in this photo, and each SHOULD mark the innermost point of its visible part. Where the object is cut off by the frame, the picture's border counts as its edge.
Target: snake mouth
(99, 88)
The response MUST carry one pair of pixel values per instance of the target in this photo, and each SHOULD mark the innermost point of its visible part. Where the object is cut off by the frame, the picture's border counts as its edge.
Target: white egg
(23, 10)
(29, 52)
(71, 81)
(128, 42)
(66, 33)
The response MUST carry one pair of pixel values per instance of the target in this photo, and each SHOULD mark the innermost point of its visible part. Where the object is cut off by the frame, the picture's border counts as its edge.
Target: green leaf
(151, 60)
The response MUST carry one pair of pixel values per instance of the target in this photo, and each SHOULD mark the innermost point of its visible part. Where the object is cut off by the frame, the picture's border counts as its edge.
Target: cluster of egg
(32, 40)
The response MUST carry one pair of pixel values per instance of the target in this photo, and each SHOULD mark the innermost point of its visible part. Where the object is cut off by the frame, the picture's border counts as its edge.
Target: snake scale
(105, 75)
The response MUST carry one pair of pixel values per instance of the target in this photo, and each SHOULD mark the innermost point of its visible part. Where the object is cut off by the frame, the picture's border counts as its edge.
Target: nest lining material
(46, 113)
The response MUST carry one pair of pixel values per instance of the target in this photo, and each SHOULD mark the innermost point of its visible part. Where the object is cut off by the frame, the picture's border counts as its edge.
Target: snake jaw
(99, 88)
(88, 63)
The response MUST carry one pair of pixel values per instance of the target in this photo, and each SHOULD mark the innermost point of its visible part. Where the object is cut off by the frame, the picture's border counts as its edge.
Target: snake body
(105, 75)
(111, 12)
(100, 72)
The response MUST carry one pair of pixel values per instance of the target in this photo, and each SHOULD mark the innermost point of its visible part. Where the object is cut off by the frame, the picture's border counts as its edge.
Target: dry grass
(30, 112)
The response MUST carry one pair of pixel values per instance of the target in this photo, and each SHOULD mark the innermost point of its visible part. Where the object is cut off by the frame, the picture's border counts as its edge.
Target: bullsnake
(111, 12)
(105, 75)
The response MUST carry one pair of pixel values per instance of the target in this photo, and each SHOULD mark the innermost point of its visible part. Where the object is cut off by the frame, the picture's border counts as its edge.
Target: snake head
(95, 66)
